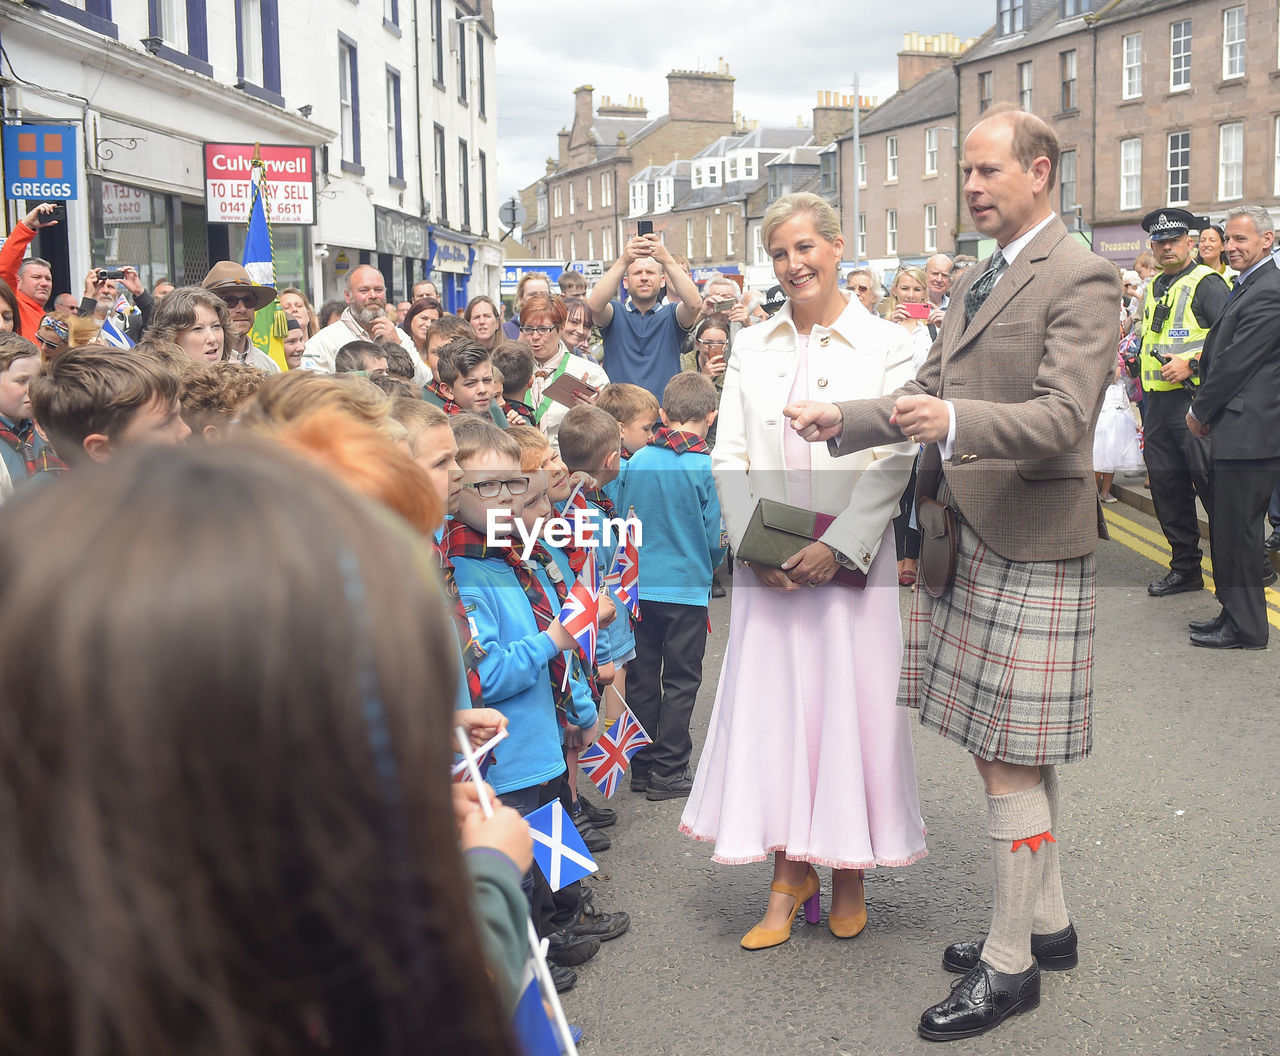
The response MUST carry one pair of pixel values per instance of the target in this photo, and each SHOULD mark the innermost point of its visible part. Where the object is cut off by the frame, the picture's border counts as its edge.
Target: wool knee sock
(1013, 823)
(1051, 907)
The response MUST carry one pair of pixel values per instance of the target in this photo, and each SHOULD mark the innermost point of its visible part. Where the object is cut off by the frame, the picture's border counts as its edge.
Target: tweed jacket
(858, 356)
(1239, 398)
(1026, 378)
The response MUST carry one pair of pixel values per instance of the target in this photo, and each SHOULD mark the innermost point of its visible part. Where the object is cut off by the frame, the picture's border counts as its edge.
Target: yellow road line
(1142, 540)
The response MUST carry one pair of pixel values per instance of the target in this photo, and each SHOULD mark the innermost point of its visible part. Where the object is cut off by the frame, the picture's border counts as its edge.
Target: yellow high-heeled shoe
(759, 938)
(848, 927)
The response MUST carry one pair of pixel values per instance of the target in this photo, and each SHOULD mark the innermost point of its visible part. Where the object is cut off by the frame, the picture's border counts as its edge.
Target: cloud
(780, 62)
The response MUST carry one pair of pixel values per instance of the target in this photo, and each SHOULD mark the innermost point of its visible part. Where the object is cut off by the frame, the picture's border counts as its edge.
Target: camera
(110, 273)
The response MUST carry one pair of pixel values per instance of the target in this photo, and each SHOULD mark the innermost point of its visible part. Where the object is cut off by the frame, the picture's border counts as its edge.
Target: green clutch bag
(778, 531)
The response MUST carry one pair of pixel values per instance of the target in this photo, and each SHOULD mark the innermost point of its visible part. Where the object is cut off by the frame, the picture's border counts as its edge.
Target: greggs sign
(228, 181)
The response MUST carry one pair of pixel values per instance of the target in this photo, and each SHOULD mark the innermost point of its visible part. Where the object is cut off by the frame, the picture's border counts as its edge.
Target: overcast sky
(781, 61)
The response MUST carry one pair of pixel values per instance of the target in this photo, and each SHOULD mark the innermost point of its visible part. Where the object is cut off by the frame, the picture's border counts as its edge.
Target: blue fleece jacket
(684, 540)
(513, 672)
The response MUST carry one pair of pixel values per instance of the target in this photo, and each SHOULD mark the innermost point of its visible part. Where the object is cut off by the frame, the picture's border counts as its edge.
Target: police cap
(1163, 224)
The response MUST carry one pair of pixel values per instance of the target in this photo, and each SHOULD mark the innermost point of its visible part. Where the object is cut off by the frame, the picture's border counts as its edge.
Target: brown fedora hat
(227, 275)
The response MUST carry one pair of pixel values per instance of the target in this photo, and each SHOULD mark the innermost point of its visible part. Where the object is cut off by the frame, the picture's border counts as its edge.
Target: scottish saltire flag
(113, 335)
(530, 1023)
(624, 576)
(581, 611)
(270, 324)
(557, 848)
(606, 761)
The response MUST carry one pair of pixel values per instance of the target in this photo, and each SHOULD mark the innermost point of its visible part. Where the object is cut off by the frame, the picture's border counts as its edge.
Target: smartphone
(722, 306)
(110, 273)
(644, 227)
(57, 213)
(917, 311)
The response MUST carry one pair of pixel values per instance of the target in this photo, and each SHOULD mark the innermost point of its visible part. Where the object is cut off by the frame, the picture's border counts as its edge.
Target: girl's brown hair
(226, 810)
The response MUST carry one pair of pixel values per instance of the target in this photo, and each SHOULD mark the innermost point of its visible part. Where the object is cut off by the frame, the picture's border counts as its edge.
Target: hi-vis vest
(1182, 335)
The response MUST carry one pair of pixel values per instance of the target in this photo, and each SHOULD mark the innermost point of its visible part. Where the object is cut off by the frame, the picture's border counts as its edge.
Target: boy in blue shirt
(669, 484)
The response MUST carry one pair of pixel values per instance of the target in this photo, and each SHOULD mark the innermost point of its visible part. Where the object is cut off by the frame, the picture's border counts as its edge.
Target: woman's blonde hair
(891, 299)
(826, 221)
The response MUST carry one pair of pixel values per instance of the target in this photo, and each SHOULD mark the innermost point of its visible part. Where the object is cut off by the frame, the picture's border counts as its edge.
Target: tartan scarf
(471, 651)
(461, 540)
(598, 497)
(679, 441)
(522, 409)
(21, 437)
(626, 455)
(433, 387)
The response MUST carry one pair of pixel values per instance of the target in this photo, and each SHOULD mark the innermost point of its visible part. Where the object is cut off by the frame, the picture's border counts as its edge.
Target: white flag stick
(480, 752)
(546, 984)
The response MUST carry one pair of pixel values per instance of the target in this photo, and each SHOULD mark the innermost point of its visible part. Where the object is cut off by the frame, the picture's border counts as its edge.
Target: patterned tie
(981, 289)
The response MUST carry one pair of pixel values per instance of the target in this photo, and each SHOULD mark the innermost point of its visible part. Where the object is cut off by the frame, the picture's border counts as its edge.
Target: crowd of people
(264, 598)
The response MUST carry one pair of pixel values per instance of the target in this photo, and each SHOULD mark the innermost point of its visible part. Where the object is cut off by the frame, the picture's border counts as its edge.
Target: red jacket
(15, 248)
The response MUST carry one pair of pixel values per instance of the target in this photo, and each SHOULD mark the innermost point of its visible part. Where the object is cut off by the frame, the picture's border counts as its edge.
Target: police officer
(1180, 305)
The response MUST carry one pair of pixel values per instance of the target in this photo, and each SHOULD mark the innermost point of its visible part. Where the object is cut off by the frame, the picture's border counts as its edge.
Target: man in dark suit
(1239, 406)
(1000, 662)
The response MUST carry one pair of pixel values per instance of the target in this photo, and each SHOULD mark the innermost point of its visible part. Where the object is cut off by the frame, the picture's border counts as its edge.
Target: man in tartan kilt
(1001, 663)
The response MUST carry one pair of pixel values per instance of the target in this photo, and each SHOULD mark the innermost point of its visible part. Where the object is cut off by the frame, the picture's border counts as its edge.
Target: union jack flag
(606, 761)
(576, 508)
(580, 614)
(624, 577)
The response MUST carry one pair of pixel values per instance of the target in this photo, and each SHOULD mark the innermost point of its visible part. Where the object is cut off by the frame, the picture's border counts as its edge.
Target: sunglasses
(236, 300)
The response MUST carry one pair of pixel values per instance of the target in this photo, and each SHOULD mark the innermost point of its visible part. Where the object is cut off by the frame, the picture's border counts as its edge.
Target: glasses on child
(543, 330)
(490, 489)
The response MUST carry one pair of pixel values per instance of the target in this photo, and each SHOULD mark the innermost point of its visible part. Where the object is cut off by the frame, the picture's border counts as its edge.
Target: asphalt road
(1169, 838)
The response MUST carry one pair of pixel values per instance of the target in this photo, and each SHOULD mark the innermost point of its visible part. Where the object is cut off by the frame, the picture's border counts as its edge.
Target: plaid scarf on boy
(461, 540)
(22, 439)
(679, 441)
(522, 409)
(471, 651)
(433, 387)
(598, 497)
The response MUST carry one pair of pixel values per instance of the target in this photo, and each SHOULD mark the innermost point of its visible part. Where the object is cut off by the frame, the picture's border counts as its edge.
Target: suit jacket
(1027, 378)
(857, 357)
(1239, 398)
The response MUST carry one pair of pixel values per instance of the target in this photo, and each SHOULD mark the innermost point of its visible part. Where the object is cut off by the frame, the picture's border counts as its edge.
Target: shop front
(450, 266)
(403, 243)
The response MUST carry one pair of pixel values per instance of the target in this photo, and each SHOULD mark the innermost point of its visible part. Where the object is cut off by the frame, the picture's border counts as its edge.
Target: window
(728, 236)
(258, 49)
(170, 22)
(1275, 179)
(462, 56)
(480, 85)
(827, 171)
(464, 183)
(606, 189)
(590, 205)
(1067, 61)
(391, 12)
(395, 141)
(1179, 168)
(688, 239)
(606, 243)
(731, 168)
(182, 25)
(484, 194)
(638, 199)
(1233, 42)
(1180, 56)
(1131, 79)
(1024, 86)
(1230, 161)
(557, 202)
(708, 237)
(862, 164)
(984, 92)
(437, 40)
(1131, 174)
(862, 236)
(1067, 181)
(930, 228)
(442, 177)
(591, 245)
(891, 158)
(92, 14)
(573, 247)
(349, 103)
(560, 247)
(570, 196)
(713, 174)
(930, 151)
(1008, 17)
(695, 176)
(542, 209)
(891, 232)
(749, 167)
(1071, 8)
(757, 243)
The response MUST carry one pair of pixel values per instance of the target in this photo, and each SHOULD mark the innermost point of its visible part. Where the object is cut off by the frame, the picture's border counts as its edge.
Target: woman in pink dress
(807, 757)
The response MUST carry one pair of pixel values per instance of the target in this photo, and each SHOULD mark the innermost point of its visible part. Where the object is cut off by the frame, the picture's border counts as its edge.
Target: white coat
(860, 356)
